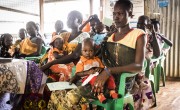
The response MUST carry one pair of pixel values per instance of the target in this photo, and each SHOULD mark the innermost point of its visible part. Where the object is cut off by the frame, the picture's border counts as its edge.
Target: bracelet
(107, 71)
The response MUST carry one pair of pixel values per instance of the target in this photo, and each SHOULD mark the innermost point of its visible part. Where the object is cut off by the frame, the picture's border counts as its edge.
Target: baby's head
(6, 40)
(57, 42)
(99, 27)
(88, 48)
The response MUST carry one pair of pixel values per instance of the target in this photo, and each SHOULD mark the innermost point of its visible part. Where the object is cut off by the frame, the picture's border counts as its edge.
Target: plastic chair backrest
(166, 45)
(37, 58)
(43, 51)
(73, 71)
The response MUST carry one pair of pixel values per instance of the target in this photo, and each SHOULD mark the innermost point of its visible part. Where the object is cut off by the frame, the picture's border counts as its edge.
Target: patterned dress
(64, 100)
(25, 79)
(60, 72)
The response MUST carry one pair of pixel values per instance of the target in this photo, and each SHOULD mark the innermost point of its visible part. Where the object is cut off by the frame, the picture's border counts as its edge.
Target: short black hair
(75, 14)
(154, 21)
(3, 36)
(145, 18)
(126, 3)
(88, 41)
(32, 23)
(59, 22)
(22, 29)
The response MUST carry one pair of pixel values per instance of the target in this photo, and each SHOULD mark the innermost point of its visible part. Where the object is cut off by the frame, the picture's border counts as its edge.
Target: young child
(6, 42)
(99, 36)
(90, 66)
(61, 72)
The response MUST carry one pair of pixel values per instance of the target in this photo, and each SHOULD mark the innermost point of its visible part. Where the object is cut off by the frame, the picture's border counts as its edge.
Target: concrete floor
(168, 98)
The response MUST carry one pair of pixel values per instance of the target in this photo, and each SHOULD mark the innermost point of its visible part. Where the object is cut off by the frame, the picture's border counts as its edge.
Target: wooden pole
(41, 9)
(101, 9)
(91, 7)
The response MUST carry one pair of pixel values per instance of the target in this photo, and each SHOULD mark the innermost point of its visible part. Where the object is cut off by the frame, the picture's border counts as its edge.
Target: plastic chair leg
(131, 107)
(99, 108)
(155, 79)
(163, 75)
(158, 77)
(154, 93)
(90, 107)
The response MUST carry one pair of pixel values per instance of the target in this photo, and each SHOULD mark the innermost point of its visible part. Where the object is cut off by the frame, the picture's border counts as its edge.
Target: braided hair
(3, 47)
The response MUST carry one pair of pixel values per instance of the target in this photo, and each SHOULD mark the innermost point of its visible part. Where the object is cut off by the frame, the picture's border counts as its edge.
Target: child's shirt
(86, 64)
(98, 38)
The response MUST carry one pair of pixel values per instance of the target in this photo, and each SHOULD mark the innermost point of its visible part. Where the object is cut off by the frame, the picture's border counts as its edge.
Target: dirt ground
(168, 98)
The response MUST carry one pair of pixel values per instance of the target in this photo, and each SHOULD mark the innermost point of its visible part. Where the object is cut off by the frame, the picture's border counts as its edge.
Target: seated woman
(16, 46)
(162, 39)
(152, 46)
(72, 40)
(6, 42)
(126, 53)
(59, 72)
(22, 35)
(32, 45)
(59, 28)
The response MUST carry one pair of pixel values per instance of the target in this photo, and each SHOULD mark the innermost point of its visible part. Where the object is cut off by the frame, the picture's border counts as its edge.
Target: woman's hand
(100, 81)
(74, 79)
(98, 69)
(150, 27)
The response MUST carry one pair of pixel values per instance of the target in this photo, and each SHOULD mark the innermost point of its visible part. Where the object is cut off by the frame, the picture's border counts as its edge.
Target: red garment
(110, 82)
(86, 64)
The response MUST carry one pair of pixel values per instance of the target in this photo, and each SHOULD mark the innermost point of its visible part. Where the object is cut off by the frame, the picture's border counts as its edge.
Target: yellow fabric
(70, 46)
(130, 39)
(27, 47)
(65, 37)
(16, 45)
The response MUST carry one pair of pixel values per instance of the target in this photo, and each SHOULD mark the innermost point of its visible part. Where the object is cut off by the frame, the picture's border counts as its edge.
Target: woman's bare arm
(66, 59)
(155, 45)
(57, 56)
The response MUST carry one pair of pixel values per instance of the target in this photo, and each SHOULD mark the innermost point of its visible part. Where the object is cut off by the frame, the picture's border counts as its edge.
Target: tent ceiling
(30, 6)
